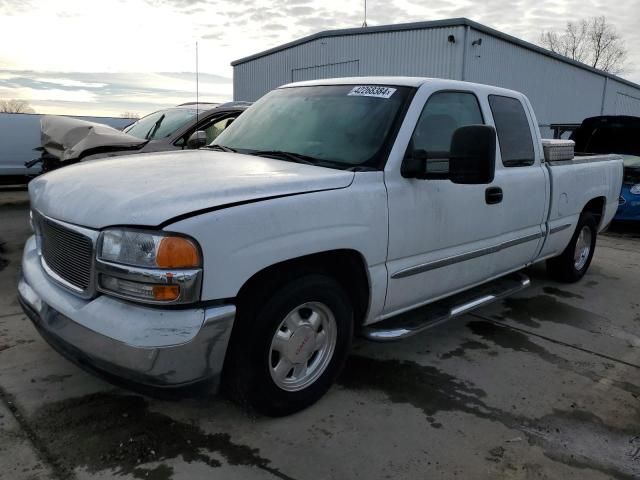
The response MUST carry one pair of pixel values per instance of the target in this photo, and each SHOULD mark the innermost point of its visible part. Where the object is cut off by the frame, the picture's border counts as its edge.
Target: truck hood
(149, 189)
(71, 139)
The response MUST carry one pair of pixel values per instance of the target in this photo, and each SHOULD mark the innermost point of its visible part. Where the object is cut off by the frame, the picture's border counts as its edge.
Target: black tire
(247, 376)
(563, 268)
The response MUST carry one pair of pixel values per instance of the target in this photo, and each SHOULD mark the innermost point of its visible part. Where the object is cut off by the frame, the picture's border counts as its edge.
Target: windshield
(161, 124)
(345, 125)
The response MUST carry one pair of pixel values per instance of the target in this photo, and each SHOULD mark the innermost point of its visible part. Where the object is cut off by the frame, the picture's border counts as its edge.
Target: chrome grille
(67, 253)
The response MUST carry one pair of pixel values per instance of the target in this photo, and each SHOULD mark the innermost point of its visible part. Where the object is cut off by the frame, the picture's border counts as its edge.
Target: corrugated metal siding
(410, 53)
(332, 70)
(559, 92)
(627, 105)
(621, 99)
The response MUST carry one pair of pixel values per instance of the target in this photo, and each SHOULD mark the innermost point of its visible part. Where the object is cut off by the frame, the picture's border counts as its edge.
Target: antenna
(364, 24)
(197, 86)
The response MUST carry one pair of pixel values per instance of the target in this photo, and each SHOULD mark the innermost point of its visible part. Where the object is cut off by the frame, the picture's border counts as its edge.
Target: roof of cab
(415, 82)
(397, 81)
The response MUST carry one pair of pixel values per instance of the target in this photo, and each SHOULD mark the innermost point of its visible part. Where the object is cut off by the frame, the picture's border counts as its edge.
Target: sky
(107, 57)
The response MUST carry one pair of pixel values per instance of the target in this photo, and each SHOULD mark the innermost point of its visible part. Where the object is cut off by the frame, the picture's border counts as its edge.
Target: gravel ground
(543, 385)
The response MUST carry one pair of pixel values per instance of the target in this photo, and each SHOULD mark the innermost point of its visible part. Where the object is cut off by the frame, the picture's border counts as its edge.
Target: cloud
(108, 92)
(213, 36)
(66, 82)
(10, 7)
(274, 26)
(94, 53)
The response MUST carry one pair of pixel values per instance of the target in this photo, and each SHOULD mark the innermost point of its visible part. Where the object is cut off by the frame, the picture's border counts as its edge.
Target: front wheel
(286, 354)
(574, 262)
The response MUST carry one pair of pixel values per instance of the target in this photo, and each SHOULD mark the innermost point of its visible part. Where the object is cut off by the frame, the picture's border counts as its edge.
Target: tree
(131, 115)
(592, 41)
(15, 106)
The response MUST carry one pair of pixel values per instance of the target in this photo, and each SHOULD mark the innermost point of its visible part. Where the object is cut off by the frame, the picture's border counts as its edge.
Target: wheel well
(348, 267)
(596, 206)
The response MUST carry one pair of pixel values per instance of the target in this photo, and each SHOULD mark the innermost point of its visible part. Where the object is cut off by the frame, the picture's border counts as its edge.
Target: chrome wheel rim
(583, 248)
(302, 346)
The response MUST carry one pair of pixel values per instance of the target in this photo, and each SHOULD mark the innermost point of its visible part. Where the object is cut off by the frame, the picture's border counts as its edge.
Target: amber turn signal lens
(166, 292)
(177, 252)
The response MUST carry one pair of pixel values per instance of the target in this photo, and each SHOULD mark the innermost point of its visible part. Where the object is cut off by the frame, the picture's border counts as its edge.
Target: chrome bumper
(150, 346)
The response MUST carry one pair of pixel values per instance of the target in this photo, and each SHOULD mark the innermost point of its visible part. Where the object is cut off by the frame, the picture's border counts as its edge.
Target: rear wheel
(574, 262)
(286, 352)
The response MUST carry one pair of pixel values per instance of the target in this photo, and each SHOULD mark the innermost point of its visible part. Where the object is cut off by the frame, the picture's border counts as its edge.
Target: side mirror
(414, 165)
(197, 139)
(472, 159)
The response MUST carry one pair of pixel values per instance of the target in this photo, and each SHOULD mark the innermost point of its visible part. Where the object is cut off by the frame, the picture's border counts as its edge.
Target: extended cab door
(522, 182)
(441, 234)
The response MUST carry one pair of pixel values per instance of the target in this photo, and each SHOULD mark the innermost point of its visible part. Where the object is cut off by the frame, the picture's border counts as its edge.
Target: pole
(364, 24)
(197, 86)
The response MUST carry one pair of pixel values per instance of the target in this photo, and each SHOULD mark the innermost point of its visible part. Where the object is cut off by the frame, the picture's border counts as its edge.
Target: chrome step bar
(415, 321)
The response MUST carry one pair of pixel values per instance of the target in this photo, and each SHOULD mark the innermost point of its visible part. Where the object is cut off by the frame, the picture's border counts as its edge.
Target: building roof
(450, 22)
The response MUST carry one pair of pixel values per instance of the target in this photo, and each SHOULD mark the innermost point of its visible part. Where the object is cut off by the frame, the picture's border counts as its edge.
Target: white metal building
(561, 90)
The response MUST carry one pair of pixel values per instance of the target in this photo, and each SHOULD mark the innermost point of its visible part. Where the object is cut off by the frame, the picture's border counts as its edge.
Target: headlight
(151, 250)
(152, 267)
(635, 190)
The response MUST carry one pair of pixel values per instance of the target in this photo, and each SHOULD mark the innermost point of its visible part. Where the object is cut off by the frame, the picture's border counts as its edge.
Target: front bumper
(149, 346)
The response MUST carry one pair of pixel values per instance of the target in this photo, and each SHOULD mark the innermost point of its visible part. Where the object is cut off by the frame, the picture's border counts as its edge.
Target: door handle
(493, 195)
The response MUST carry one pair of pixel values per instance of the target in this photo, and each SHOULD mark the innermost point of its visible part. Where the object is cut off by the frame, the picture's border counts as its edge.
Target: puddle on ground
(464, 347)
(424, 387)
(118, 433)
(561, 293)
(53, 378)
(576, 438)
(3, 261)
(530, 311)
(586, 439)
(510, 339)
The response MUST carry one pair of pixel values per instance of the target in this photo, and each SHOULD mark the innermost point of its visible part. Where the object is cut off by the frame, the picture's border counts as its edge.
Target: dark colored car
(66, 140)
(616, 134)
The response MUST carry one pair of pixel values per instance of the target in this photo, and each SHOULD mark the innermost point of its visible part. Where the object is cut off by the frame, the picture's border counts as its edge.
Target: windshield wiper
(152, 131)
(222, 148)
(289, 156)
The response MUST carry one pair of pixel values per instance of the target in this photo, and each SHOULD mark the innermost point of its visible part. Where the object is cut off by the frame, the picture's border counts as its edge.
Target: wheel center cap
(301, 344)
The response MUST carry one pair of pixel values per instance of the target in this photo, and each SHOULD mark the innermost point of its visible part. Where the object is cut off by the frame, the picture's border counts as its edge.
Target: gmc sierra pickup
(328, 208)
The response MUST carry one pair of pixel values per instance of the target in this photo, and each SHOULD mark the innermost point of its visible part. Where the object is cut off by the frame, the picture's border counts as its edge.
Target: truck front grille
(67, 253)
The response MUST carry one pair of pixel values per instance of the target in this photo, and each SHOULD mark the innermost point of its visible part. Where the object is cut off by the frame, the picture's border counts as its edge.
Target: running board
(415, 321)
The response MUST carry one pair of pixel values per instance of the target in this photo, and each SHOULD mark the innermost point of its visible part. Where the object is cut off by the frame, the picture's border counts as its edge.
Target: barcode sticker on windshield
(372, 91)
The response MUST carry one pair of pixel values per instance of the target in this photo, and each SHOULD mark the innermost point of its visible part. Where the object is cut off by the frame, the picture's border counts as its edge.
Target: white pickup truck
(329, 208)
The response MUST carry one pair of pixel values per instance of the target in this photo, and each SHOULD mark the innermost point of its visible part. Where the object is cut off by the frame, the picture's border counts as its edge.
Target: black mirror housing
(414, 166)
(197, 139)
(472, 159)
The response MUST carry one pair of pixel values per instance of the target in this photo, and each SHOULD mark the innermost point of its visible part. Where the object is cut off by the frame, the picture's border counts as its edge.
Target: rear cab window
(514, 133)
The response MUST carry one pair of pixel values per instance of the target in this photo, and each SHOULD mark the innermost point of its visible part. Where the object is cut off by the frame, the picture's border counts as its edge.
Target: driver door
(441, 234)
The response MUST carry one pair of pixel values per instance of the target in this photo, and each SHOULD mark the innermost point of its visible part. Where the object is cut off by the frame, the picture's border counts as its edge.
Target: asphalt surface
(543, 385)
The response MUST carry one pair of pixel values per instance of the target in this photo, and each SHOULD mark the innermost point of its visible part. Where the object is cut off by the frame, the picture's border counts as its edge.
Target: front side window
(161, 124)
(215, 128)
(442, 115)
(344, 126)
(514, 134)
